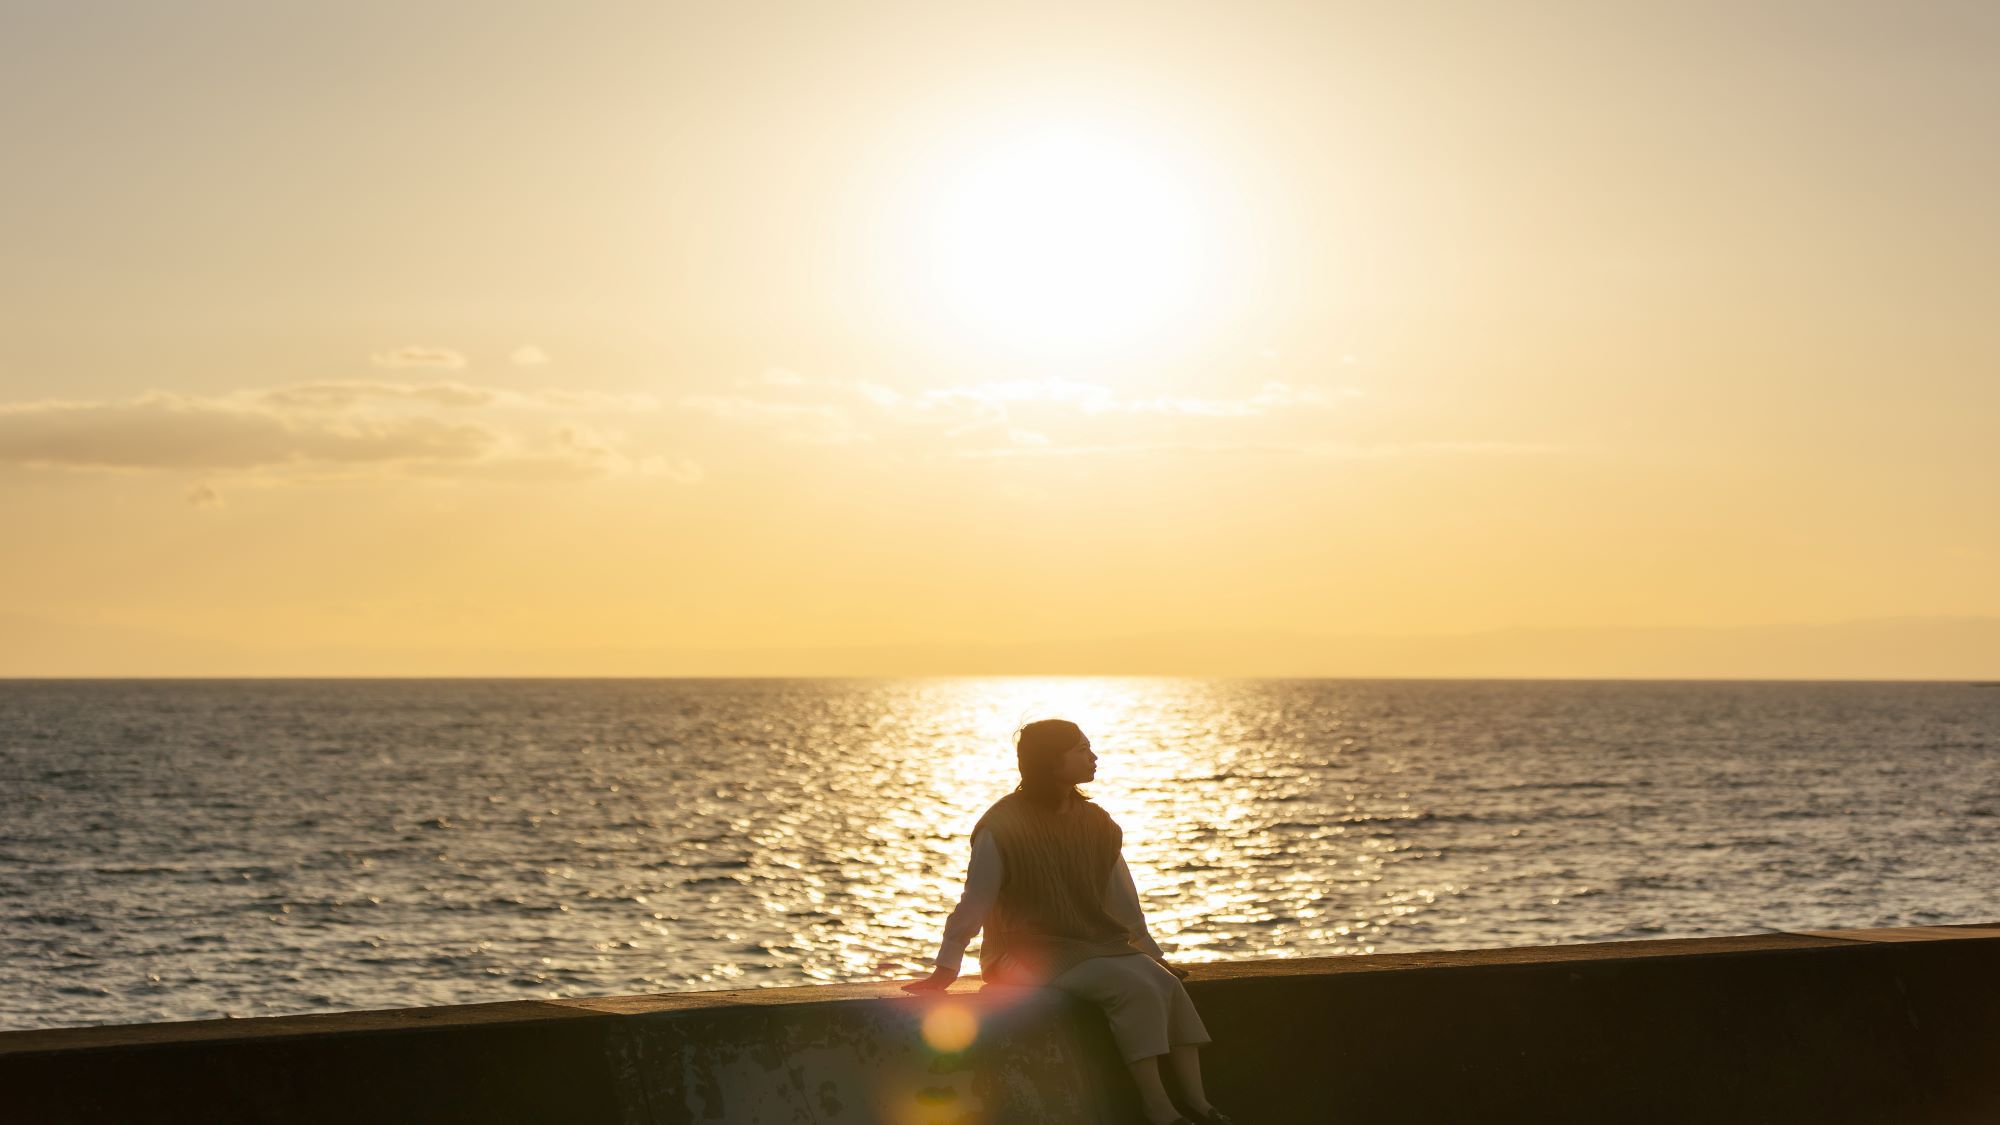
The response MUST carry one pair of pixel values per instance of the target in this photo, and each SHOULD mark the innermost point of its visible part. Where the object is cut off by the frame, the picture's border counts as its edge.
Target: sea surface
(180, 850)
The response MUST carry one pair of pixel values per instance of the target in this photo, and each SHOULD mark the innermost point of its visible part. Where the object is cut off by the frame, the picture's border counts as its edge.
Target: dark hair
(1038, 749)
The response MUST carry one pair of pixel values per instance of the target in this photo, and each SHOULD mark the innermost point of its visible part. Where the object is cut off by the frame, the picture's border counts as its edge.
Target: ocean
(177, 850)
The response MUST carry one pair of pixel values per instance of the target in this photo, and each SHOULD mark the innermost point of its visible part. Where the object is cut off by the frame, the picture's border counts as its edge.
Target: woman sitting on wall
(1049, 885)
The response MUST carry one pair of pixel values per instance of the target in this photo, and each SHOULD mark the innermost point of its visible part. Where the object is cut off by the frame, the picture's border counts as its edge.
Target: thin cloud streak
(1327, 450)
(416, 356)
(1009, 419)
(340, 394)
(804, 423)
(822, 411)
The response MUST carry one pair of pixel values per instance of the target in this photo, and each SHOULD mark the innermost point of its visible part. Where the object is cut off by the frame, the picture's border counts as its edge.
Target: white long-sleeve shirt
(982, 887)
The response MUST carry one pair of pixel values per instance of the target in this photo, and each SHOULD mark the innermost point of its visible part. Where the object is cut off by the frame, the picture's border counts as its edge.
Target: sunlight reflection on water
(189, 849)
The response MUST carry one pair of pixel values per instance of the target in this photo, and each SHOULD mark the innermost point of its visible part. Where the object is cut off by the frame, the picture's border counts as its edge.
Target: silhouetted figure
(1049, 885)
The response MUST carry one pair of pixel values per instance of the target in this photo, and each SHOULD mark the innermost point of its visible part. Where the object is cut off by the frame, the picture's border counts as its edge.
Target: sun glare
(1063, 240)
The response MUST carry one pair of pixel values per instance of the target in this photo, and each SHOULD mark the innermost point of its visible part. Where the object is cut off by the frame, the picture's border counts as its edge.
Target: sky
(600, 338)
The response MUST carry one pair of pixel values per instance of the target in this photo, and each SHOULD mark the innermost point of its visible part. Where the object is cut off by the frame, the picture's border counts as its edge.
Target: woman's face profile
(1079, 762)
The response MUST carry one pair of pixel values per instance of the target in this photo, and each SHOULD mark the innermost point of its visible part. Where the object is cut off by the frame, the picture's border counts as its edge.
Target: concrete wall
(1870, 1027)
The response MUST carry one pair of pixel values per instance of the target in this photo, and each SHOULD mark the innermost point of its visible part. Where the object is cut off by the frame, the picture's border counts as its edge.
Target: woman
(1051, 889)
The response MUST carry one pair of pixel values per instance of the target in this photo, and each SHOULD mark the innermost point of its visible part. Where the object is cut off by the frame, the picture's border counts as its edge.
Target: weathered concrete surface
(1855, 1027)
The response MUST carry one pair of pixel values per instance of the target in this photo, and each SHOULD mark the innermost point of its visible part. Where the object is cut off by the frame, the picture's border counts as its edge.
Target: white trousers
(1150, 1012)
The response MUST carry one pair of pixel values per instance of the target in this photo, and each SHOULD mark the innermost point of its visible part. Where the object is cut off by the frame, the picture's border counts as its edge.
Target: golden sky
(395, 337)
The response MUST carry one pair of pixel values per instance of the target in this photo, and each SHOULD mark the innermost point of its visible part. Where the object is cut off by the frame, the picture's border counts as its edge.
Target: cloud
(326, 430)
(203, 495)
(419, 357)
(168, 431)
(527, 355)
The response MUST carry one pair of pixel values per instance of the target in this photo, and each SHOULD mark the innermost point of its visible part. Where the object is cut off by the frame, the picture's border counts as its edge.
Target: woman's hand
(938, 981)
(1178, 972)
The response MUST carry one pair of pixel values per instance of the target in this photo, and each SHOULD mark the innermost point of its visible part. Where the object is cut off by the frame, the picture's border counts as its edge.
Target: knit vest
(1049, 914)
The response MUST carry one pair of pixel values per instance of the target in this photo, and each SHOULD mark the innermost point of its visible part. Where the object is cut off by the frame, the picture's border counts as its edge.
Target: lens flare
(950, 1028)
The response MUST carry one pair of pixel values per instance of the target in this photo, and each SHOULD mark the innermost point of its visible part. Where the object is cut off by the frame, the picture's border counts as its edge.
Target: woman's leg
(1152, 1093)
(1136, 1008)
(1187, 1075)
(1185, 1035)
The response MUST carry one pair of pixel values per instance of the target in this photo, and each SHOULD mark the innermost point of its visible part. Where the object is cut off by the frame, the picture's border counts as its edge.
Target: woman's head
(1054, 756)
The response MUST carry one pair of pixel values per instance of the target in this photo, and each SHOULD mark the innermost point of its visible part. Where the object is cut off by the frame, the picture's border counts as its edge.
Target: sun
(1063, 240)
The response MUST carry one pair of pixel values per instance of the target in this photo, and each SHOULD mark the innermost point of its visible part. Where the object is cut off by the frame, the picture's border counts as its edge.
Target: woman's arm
(1121, 901)
(982, 887)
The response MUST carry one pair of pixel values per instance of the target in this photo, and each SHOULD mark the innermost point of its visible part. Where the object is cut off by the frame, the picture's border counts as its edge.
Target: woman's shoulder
(1003, 810)
(1099, 813)
(1005, 804)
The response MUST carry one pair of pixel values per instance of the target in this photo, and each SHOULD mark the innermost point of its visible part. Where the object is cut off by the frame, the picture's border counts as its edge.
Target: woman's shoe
(1214, 1116)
